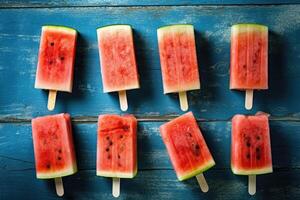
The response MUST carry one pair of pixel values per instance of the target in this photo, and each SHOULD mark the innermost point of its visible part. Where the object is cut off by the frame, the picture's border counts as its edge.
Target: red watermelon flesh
(186, 146)
(56, 58)
(118, 64)
(251, 147)
(116, 147)
(178, 58)
(53, 146)
(249, 57)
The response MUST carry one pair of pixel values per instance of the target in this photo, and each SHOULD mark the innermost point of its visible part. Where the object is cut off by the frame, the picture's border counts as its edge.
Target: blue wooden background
(213, 105)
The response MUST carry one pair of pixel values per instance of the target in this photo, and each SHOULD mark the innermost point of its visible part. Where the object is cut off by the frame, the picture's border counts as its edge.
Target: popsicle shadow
(278, 88)
(145, 93)
(208, 92)
(278, 139)
(80, 75)
(81, 180)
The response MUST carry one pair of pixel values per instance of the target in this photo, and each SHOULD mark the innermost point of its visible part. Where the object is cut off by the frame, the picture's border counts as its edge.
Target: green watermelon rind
(58, 27)
(197, 171)
(259, 27)
(60, 173)
(118, 174)
(174, 26)
(113, 25)
(265, 170)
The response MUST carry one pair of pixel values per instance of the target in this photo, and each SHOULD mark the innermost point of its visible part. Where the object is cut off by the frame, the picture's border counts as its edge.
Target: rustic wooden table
(213, 105)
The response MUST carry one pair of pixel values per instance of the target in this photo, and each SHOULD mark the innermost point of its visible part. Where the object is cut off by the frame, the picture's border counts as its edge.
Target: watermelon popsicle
(116, 148)
(56, 61)
(117, 60)
(187, 149)
(178, 58)
(53, 148)
(251, 147)
(249, 59)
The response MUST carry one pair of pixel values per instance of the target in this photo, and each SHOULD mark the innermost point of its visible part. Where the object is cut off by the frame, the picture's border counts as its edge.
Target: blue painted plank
(66, 3)
(285, 137)
(151, 184)
(19, 41)
(156, 178)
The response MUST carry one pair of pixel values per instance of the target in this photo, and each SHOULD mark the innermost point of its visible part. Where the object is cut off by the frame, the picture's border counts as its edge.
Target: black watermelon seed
(59, 151)
(108, 157)
(59, 158)
(197, 146)
(248, 144)
(107, 137)
(119, 156)
(248, 156)
(257, 149)
(48, 166)
(190, 134)
(51, 62)
(121, 136)
(62, 58)
(107, 149)
(110, 143)
(52, 43)
(258, 137)
(258, 157)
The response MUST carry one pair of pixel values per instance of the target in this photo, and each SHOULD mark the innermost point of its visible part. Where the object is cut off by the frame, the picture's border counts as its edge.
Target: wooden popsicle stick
(249, 99)
(59, 186)
(252, 184)
(116, 187)
(202, 182)
(123, 100)
(51, 99)
(183, 101)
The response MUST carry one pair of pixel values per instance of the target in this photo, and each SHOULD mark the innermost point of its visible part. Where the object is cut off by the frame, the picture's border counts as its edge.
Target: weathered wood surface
(213, 105)
(80, 3)
(19, 41)
(156, 177)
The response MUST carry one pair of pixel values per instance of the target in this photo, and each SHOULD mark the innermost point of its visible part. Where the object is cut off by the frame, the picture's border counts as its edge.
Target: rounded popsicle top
(59, 28)
(115, 26)
(246, 27)
(175, 26)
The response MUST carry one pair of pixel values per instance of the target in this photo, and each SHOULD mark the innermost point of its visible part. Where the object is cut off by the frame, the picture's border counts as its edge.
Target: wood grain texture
(213, 105)
(80, 3)
(19, 41)
(151, 150)
(17, 166)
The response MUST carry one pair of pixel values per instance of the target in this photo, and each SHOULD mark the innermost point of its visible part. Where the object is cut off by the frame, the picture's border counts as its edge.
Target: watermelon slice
(56, 58)
(178, 58)
(116, 147)
(250, 147)
(53, 146)
(186, 146)
(118, 64)
(249, 57)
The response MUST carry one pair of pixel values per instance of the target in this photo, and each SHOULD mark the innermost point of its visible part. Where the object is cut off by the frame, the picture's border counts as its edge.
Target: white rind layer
(60, 173)
(116, 174)
(264, 170)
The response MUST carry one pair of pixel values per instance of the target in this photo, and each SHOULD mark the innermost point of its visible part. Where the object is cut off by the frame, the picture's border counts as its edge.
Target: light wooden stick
(59, 186)
(249, 99)
(123, 100)
(51, 99)
(183, 101)
(202, 182)
(116, 187)
(252, 184)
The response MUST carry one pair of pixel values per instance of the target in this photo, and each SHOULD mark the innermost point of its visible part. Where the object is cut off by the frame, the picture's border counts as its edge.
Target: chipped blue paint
(213, 105)
(19, 41)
